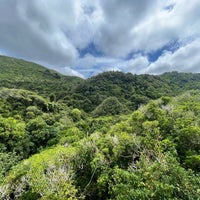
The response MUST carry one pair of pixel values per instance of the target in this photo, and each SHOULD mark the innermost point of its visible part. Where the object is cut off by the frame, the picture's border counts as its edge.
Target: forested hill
(94, 93)
(131, 90)
(17, 73)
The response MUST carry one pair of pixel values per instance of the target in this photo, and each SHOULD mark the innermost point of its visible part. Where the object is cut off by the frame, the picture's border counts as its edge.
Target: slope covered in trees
(131, 90)
(133, 142)
(17, 73)
(152, 153)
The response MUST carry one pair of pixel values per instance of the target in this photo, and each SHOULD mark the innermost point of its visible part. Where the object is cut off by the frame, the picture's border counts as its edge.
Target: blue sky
(86, 37)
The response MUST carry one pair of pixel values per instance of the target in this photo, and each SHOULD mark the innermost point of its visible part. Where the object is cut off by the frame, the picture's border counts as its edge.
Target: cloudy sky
(86, 37)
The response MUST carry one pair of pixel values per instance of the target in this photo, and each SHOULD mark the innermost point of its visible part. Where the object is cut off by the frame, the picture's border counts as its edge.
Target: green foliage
(131, 90)
(7, 160)
(12, 133)
(51, 151)
(76, 114)
(165, 100)
(110, 106)
(154, 180)
(17, 73)
(47, 175)
(149, 154)
(193, 162)
(18, 100)
(29, 123)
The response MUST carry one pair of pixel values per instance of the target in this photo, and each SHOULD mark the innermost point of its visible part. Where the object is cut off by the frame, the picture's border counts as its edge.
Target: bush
(110, 106)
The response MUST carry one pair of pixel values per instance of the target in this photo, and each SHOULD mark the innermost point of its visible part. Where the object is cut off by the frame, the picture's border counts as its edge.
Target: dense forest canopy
(112, 136)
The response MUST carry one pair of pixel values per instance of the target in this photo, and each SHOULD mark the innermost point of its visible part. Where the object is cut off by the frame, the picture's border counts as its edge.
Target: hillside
(17, 73)
(88, 95)
(131, 90)
(49, 151)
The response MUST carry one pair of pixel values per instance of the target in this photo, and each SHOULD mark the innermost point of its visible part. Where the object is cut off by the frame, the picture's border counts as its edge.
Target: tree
(110, 106)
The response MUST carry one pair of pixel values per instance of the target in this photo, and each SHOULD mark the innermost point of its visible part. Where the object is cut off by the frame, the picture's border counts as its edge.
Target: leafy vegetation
(126, 146)
(131, 90)
(110, 106)
(17, 73)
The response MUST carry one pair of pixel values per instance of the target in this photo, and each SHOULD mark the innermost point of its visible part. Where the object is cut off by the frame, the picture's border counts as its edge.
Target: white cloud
(136, 65)
(88, 61)
(185, 59)
(115, 37)
(28, 33)
(71, 72)
(91, 65)
(54, 32)
(146, 26)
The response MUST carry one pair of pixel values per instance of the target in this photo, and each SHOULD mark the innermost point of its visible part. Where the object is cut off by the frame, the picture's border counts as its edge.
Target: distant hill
(131, 90)
(180, 82)
(17, 73)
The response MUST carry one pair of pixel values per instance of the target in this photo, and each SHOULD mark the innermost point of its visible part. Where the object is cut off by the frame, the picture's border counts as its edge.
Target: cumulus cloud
(69, 71)
(91, 65)
(27, 33)
(163, 26)
(115, 37)
(124, 33)
(185, 59)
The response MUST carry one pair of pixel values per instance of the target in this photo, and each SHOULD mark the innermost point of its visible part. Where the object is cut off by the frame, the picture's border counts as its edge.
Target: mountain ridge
(18, 73)
(86, 94)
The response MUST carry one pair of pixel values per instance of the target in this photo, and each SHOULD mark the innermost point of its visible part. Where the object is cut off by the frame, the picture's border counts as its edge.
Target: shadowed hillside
(17, 73)
(131, 90)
